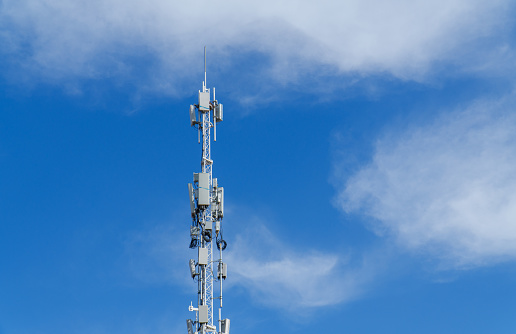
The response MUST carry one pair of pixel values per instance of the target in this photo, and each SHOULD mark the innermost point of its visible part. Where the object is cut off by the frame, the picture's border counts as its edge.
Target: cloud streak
(271, 272)
(58, 40)
(291, 280)
(158, 255)
(445, 189)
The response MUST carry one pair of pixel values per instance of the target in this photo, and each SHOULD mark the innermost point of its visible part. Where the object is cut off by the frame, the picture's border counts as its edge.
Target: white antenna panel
(208, 226)
(204, 189)
(220, 200)
(224, 328)
(203, 256)
(204, 101)
(192, 267)
(192, 199)
(193, 116)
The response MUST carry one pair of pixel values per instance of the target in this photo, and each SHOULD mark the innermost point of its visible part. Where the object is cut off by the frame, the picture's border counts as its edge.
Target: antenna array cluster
(207, 211)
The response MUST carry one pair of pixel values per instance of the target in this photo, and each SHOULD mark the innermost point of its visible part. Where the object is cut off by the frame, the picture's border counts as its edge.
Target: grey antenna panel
(203, 314)
(204, 189)
(219, 113)
(193, 117)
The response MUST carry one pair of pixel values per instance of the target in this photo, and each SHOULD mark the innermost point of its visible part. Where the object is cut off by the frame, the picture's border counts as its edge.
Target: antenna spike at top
(205, 84)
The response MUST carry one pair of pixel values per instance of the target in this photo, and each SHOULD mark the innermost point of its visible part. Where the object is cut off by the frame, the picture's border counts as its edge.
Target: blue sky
(367, 154)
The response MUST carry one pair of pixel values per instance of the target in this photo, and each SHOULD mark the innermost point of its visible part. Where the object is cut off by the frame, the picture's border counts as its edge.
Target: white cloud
(269, 271)
(446, 188)
(96, 39)
(291, 279)
(159, 255)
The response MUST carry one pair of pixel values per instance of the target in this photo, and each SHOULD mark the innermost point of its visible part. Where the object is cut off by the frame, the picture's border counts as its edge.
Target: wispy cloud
(445, 189)
(267, 268)
(292, 279)
(159, 255)
(57, 40)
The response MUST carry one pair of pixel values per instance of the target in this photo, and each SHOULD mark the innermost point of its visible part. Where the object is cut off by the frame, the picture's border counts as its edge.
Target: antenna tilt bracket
(191, 308)
(210, 328)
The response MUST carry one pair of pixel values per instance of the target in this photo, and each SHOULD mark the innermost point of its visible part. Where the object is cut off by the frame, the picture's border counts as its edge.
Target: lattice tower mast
(207, 208)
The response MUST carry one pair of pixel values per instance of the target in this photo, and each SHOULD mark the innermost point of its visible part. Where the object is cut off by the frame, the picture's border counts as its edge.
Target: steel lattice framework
(207, 209)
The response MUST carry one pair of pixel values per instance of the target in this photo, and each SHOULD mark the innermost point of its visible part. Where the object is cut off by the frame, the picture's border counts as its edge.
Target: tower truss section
(207, 210)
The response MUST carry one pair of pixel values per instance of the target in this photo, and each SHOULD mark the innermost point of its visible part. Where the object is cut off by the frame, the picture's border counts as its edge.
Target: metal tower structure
(207, 211)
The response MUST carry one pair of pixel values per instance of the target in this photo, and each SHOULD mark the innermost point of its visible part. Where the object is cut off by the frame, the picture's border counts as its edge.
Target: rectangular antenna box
(223, 270)
(189, 325)
(191, 264)
(203, 314)
(194, 231)
(224, 326)
(218, 113)
(220, 201)
(192, 199)
(193, 117)
(204, 189)
(204, 101)
(203, 256)
(208, 226)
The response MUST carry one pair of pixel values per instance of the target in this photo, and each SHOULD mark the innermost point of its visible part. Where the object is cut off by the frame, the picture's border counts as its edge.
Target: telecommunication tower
(207, 211)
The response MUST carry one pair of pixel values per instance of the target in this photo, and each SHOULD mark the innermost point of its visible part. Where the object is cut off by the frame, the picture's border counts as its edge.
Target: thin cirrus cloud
(445, 189)
(284, 278)
(57, 40)
(264, 266)
(151, 258)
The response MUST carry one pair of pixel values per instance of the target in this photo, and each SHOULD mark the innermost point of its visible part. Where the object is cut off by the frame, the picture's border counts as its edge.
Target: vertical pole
(207, 219)
(205, 83)
(220, 280)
